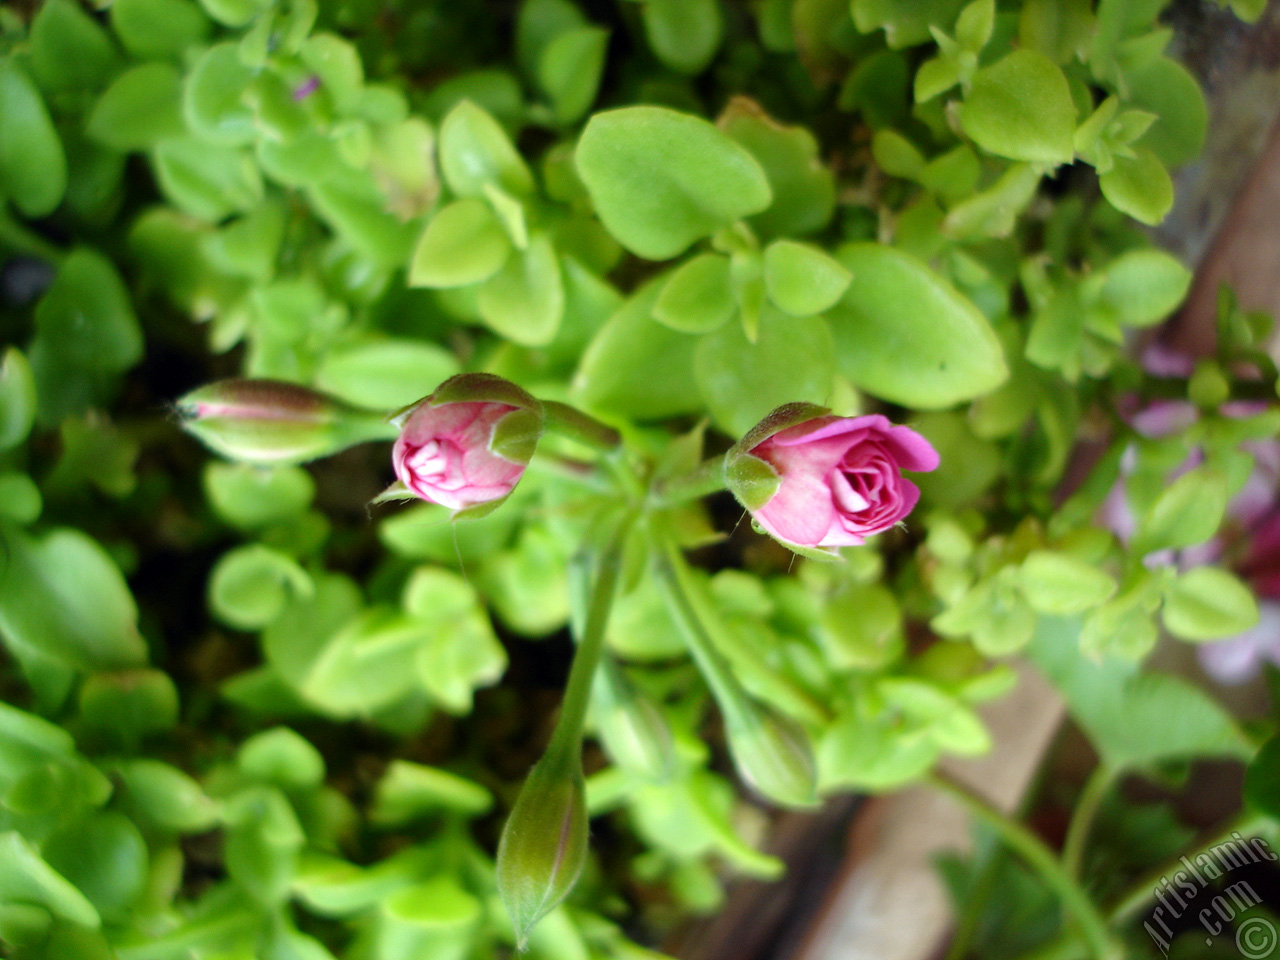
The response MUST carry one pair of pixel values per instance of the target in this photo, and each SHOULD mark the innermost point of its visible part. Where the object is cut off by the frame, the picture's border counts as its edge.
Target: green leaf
(801, 279)
(896, 155)
(17, 399)
(384, 374)
(905, 22)
(1167, 89)
(62, 597)
(26, 878)
(140, 108)
(1021, 108)
(994, 211)
(33, 167)
(931, 350)
(637, 368)
(1187, 512)
(105, 857)
(250, 585)
(1058, 583)
(234, 13)
(524, 301)
(1207, 603)
(127, 705)
(475, 152)
(464, 243)
(683, 34)
(1133, 719)
(661, 179)
(792, 360)
(213, 97)
(86, 317)
(1139, 186)
(281, 757)
(570, 68)
(206, 181)
(163, 797)
(697, 296)
(337, 63)
(408, 791)
(158, 29)
(1143, 286)
(358, 213)
(249, 496)
(803, 189)
(20, 499)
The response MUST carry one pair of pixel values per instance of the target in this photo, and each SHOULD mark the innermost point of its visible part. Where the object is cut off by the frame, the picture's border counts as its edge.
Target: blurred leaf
(26, 878)
(1139, 186)
(127, 705)
(661, 179)
(33, 167)
(697, 296)
(524, 300)
(105, 857)
(140, 108)
(802, 280)
(408, 791)
(1206, 603)
(464, 243)
(1021, 108)
(158, 29)
(683, 34)
(475, 152)
(213, 97)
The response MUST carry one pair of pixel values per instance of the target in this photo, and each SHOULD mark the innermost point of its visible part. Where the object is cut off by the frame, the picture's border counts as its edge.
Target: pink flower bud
(824, 481)
(461, 452)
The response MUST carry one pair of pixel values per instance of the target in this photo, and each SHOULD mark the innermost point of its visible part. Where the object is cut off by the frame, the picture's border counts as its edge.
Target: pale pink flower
(443, 454)
(840, 479)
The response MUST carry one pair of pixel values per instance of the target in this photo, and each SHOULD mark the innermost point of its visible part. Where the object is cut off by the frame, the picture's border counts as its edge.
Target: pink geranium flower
(443, 454)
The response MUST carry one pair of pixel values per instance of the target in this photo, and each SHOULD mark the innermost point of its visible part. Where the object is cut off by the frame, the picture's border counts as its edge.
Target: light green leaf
(1021, 108)
(250, 585)
(929, 351)
(140, 108)
(105, 857)
(661, 179)
(384, 374)
(792, 360)
(524, 301)
(1167, 89)
(1207, 603)
(207, 181)
(994, 212)
(86, 317)
(1139, 186)
(569, 70)
(33, 167)
(1058, 583)
(683, 34)
(464, 243)
(158, 29)
(1143, 286)
(475, 151)
(801, 279)
(697, 296)
(17, 399)
(1186, 513)
(250, 496)
(26, 878)
(213, 98)
(905, 22)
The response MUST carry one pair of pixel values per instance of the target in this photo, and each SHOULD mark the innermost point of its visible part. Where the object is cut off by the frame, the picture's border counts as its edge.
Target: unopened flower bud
(269, 421)
(773, 755)
(544, 843)
(466, 446)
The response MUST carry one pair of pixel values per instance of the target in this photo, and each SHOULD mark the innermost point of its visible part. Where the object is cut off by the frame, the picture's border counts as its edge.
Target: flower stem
(704, 479)
(573, 423)
(1087, 805)
(566, 741)
(1037, 854)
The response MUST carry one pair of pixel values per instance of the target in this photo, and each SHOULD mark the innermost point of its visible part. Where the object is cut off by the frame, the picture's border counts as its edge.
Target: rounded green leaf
(792, 360)
(1186, 513)
(126, 705)
(524, 301)
(250, 585)
(1139, 186)
(637, 368)
(141, 108)
(86, 317)
(464, 243)
(17, 399)
(697, 296)
(33, 167)
(1058, 583)
(801, 279)
(207, 181)
(661, 179)
(683, 34)
(250, 496)
(25, 877)
(929, 350)
(385, 374)
(162, 796)
(213, 97)
(476, 152)
(158, 29)
(1021, 108)
(105, 856)
(569, 70)
(1206, 603)
(1167, 89)
(70, 52)
(1144, 286)
(282, 757)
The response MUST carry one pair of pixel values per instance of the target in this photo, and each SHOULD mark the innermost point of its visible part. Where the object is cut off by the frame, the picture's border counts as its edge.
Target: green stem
(1038, 855)
(704, 479)
(674, 584)
(1087, 806)
(573, 423)
(1144, 891)
(576, 471)
(566, 741)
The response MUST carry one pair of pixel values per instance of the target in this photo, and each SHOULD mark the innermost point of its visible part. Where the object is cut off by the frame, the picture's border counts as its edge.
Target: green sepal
(482, 388)
(478, 510)
(394, 493)
(783, 418)
(821, 554)
(752, 480)
(515, 437)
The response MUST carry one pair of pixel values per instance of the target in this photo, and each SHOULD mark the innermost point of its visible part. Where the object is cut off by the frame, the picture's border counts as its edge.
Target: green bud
(1208, 387)
(544, 842)
(268, 421)
(773, 755)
